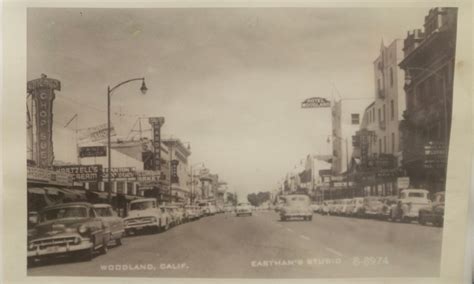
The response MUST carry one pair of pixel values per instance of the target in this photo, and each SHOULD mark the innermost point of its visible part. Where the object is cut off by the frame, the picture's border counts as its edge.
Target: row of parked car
(83, 229)
(411, 205)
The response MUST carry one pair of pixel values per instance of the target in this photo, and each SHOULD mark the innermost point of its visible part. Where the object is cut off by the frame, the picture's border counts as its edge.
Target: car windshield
(142, 205)
(103, 211)
(416, 194)
(297, 200)
(63, 213)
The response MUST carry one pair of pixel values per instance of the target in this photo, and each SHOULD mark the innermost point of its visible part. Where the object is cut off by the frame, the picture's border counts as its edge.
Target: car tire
(283, 218)
(310, 218)
(104, 249)
(118, 242)
(88, 255)
(421, 220)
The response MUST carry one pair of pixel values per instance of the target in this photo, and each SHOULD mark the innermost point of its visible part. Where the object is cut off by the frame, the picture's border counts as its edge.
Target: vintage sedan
(243, 209)
(296, 206)
(66, 229)
(113, 222)
(409, 204)
(371, 207)
(433, 213)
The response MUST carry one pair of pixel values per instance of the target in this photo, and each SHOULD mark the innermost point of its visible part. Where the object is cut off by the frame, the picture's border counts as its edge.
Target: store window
(120, 187)
(393, 143)
(380, 145)
(94, 186)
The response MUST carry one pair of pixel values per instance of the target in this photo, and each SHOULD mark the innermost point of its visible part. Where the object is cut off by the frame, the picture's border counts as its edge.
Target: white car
(145, 214)
(409, 204)
(296, 206)
(243, 209)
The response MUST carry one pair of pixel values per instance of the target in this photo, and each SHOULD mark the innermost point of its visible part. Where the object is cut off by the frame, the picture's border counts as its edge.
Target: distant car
(65, 229)
(344, 211)
(191, 212)
(433, 213)
(296, 206)
(243, 209)
(384, 209)
(372, 206)
(325, 208)
(409, 204)
(144, 214)
(315, 207)
(113, 222)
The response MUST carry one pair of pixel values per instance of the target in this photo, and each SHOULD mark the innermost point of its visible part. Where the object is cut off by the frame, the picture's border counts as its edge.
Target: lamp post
(143, 89)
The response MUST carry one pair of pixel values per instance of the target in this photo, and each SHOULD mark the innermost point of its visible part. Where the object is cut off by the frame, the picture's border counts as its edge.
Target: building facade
(429, 59)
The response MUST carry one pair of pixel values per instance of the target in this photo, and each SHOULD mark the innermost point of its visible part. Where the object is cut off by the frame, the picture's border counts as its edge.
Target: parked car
(113, 222)
(433, 213)
(372, 206)
(338, 207)
(144, 214)
(315, 207)
(333, 207)
(345, 206)
(65, 229)
(325, 208)
(243, 209)
(296, 206)
(384, 209)
(175, 216)
(409, 204)
(191, 212)
(356, 207)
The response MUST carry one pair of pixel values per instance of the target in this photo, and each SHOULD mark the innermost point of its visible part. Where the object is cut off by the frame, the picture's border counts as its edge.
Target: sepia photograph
(238, 142)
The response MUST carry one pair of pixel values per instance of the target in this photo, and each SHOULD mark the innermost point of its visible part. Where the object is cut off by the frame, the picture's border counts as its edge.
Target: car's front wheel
(421, 220)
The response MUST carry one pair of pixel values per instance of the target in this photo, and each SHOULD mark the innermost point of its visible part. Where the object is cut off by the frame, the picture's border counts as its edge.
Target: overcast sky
(229, 81)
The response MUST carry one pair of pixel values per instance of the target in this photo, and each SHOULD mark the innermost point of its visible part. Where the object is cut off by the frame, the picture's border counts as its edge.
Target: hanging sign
(42, 92)
(156, 123)
(315, 102)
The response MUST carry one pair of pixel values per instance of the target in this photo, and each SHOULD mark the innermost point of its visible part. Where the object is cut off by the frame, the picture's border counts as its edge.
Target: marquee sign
(156, 123)
(82, 173)
(42, 175)
(42, 92)
(121, 173)
(315, 102)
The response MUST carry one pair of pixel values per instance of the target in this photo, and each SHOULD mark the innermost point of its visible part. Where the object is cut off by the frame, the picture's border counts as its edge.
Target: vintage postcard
(197, 143)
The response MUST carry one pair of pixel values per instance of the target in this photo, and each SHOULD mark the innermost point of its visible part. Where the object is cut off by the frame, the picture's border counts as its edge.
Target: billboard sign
(92, 151)
(121, 173)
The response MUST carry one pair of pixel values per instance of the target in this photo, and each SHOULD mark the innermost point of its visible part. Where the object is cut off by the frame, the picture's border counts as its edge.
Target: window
(393, 142)
(380, 115)
(392, 110)
(385, 144)
(355, 118)
(94, 186)
(391, 77)
(383, 112)
(380, 145)
(379, 85)
(120, 187)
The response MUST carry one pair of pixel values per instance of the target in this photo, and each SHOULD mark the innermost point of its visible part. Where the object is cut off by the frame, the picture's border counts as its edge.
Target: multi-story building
(346, 118)
(389, 102)
(429, 57)
(177, 173)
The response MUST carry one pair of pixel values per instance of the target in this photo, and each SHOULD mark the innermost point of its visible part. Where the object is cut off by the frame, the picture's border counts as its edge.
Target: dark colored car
(66, 229)
(434, 213)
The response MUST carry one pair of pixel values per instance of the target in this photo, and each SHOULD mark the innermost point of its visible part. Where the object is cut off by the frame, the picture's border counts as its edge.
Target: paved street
(262, 246)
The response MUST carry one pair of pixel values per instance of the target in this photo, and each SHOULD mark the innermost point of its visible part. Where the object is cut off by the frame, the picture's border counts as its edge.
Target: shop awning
(178, 188)
(36, 190)
(52, 190)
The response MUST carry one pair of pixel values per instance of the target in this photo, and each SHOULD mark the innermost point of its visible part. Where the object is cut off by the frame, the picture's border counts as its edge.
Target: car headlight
(31, 246)
(153, 219)
(82, 229)
(77, 241)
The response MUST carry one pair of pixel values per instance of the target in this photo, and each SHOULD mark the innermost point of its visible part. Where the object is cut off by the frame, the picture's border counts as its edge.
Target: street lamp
(143, 89)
